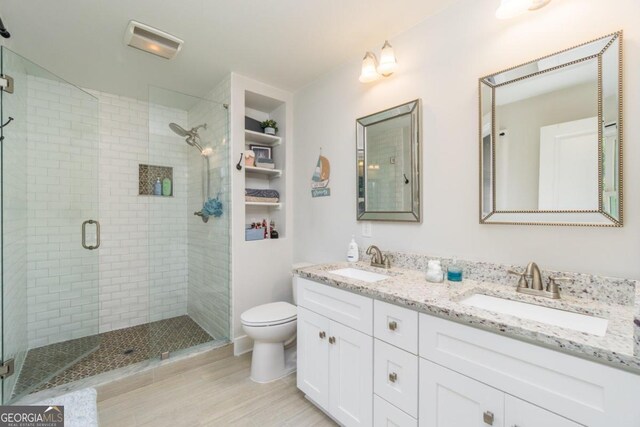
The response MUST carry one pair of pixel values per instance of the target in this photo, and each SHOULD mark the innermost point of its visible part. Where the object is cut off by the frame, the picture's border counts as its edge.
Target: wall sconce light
(511, 8)
(372, 70)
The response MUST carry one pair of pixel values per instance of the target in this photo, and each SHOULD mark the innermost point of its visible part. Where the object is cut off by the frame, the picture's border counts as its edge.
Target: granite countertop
(410, 289)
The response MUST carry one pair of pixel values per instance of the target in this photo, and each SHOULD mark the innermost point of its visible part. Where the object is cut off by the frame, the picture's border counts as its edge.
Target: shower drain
(128, 351)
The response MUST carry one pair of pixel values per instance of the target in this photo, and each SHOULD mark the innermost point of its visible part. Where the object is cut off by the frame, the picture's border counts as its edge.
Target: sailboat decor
(320, 179)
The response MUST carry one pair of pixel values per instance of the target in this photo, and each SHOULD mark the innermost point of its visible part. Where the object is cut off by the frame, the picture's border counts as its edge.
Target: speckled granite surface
(618, 303)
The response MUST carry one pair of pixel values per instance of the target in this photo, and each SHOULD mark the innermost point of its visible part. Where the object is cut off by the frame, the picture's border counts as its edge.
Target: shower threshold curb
(128, 378)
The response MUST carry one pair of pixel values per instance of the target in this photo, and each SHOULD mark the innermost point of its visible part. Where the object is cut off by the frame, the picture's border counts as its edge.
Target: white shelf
(261, 138)
(267, 205)
(271, 173)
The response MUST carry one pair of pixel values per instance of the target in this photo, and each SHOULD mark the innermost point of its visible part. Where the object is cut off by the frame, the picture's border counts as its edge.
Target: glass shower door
(50, 233)
(189, 250)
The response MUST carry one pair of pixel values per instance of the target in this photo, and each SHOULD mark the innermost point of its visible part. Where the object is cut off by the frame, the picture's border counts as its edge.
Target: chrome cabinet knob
(322, 335)
(332, 340)
(393, 377)
(393, 325)
(487, 417)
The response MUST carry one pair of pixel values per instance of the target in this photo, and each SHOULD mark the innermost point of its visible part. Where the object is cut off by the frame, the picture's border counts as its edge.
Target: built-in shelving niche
(147, 175)
(259, 108)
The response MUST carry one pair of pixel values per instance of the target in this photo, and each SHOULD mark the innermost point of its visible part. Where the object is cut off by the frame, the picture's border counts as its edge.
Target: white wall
(440, 61)
(261, 270)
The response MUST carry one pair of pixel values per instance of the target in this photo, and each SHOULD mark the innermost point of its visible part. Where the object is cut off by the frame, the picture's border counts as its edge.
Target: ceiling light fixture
(371, 70)
(511, 8)
(152, 40)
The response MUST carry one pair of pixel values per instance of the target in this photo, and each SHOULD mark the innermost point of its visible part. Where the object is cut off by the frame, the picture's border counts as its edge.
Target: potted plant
(270, 127)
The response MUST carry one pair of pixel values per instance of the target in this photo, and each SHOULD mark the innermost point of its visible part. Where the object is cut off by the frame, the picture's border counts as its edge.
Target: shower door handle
(84, 234)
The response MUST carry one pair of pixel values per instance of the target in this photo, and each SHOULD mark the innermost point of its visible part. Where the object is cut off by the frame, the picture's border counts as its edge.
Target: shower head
(178, 130)
(191, 136)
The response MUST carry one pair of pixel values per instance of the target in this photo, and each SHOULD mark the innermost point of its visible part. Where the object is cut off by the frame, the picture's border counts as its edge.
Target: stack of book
(265, 163)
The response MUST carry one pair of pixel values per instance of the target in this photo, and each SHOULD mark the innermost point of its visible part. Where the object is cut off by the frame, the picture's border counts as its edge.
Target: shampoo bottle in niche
(157, 188)
(352, 253)
(166, 187)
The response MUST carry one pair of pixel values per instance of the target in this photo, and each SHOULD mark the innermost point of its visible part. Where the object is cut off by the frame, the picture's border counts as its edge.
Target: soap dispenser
(352, 253)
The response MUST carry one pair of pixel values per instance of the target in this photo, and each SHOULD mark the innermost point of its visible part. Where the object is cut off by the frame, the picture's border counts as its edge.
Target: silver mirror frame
(595, 218)
(414, 109)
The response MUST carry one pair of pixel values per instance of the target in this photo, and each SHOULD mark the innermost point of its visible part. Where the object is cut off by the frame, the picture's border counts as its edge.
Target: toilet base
(270, 361)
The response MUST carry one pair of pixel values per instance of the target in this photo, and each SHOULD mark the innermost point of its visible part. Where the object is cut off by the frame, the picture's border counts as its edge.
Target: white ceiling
(286, 43)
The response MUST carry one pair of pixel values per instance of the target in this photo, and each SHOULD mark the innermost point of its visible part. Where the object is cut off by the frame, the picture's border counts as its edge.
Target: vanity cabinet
(335, 365)
(518, 413)
(449, 399)
(371, 363)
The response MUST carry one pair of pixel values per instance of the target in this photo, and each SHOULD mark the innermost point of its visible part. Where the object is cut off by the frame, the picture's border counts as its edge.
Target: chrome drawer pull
(487, 417)
(393, 377)
(322, 335)
(393, 325)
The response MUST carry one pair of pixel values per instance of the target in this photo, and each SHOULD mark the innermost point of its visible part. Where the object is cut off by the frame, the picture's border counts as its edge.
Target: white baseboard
(242, 345)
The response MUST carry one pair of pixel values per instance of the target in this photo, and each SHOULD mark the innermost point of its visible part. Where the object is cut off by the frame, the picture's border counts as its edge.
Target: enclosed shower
(101, 275)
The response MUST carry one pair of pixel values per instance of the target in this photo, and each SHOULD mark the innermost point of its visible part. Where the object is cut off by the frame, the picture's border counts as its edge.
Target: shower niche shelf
(147, 175)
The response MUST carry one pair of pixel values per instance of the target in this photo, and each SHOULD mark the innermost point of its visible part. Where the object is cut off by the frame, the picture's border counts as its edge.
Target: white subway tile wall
(61, 178)
(76, 158)
(168, 217)
(209, 255)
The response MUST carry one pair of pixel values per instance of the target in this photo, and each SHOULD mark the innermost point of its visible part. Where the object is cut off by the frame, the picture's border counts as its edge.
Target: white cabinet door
(518, 413)
(313, 356)
(350, 376)
(449, 399)
(387, 415)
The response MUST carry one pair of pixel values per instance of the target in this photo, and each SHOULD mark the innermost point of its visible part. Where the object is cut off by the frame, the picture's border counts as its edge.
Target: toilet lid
(269, 314)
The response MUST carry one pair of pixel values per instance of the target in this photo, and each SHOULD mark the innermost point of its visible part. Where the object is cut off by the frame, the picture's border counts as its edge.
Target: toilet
(272, 327)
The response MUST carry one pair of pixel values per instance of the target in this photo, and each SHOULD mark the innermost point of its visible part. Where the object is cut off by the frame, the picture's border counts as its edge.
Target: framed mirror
(388, 164)
(551, 139)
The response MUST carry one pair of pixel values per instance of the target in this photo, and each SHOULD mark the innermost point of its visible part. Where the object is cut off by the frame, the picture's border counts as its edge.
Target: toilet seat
(272, 314)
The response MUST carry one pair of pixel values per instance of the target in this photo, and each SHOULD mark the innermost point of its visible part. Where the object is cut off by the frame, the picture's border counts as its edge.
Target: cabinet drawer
(523, 414)
(395, 377)
(396, 325)
(587, 392)
(387, 415)
(344, 307)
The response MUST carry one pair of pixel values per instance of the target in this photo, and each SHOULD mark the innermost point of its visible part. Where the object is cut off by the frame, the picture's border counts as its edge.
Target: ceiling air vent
(152, 40)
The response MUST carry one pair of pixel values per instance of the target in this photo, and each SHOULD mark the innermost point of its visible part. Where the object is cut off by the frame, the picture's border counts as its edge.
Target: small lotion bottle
(352, 252)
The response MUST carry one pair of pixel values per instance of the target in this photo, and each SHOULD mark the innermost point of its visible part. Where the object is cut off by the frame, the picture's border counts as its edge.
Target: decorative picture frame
(261, 151)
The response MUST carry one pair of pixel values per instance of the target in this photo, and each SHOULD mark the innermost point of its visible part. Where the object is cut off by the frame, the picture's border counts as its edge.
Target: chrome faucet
(531, 282)
(377, 259)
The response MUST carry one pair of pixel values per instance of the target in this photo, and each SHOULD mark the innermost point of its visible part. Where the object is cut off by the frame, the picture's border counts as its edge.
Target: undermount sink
(365, 276)
(550, 316)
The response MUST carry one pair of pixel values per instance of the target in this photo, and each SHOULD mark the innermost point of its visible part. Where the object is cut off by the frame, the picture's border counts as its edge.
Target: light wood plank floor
(216, 394)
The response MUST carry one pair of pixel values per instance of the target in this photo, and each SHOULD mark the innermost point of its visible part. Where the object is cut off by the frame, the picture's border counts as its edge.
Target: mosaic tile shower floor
(104, 352)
